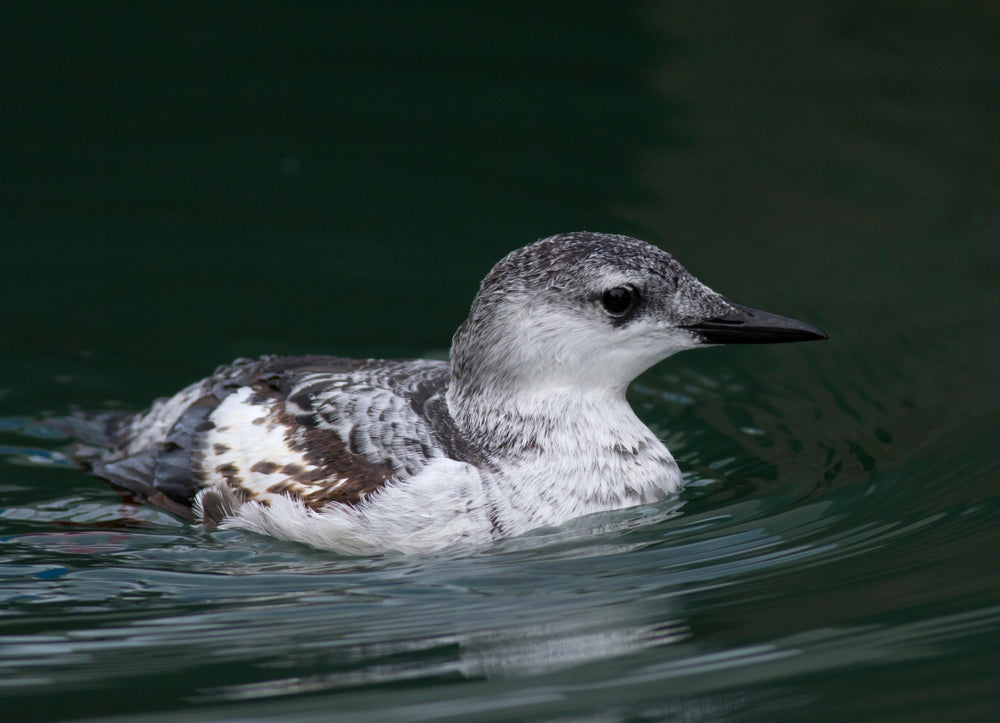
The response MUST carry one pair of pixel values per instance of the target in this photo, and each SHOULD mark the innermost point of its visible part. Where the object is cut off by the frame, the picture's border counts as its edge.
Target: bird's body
(526, 426)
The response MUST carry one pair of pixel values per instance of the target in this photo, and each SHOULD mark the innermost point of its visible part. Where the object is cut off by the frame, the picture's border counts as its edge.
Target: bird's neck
(552, 421)
(560, 455)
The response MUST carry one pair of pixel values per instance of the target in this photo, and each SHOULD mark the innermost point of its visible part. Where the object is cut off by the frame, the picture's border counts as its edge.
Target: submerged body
(526, 426)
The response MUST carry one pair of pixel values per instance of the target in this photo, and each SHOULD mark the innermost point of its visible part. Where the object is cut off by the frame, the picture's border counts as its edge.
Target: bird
(525, 426)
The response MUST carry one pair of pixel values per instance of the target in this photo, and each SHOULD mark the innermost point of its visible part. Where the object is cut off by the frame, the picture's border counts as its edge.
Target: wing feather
(323, 430)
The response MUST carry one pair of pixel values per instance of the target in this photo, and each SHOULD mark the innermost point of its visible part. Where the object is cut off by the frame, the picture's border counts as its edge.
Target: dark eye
(619, 300)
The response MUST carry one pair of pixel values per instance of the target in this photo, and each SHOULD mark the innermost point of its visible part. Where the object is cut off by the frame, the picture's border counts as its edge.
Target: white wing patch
(249, 452)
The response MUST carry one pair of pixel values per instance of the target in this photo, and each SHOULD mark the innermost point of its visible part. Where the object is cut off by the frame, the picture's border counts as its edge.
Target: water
(185, 186)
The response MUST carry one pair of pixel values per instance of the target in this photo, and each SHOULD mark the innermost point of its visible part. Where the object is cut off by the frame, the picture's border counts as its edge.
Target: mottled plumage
(526, 426)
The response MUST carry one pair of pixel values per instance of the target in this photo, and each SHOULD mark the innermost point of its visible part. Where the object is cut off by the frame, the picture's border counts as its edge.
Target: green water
(184, 185)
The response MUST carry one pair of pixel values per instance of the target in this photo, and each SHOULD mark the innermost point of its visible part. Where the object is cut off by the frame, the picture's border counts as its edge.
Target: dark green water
(181, 186)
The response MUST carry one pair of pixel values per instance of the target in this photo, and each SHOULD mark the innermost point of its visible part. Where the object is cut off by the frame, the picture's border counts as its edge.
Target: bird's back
(323, 430)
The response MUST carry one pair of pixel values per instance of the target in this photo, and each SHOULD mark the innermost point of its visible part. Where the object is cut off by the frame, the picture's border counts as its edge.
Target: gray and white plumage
(526, 426)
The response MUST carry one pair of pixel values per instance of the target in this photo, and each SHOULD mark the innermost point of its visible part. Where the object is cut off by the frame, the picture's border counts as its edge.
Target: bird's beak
(752, 326)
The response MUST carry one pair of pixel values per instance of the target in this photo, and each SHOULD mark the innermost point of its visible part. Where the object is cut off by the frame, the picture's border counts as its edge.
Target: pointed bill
(745, 325)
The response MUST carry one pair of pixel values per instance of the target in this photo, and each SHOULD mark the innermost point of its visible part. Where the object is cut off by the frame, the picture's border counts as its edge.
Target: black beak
(753, 326)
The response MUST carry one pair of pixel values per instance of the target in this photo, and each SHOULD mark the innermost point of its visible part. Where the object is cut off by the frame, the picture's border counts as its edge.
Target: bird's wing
(323, 430)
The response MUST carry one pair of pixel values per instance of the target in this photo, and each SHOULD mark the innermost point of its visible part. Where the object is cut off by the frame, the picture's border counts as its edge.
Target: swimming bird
(526, 426)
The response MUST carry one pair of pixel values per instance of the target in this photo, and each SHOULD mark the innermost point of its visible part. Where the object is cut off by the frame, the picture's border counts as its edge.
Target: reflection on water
(519, 651)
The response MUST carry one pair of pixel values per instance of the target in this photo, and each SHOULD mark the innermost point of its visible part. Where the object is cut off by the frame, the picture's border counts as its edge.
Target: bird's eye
(619, 300)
